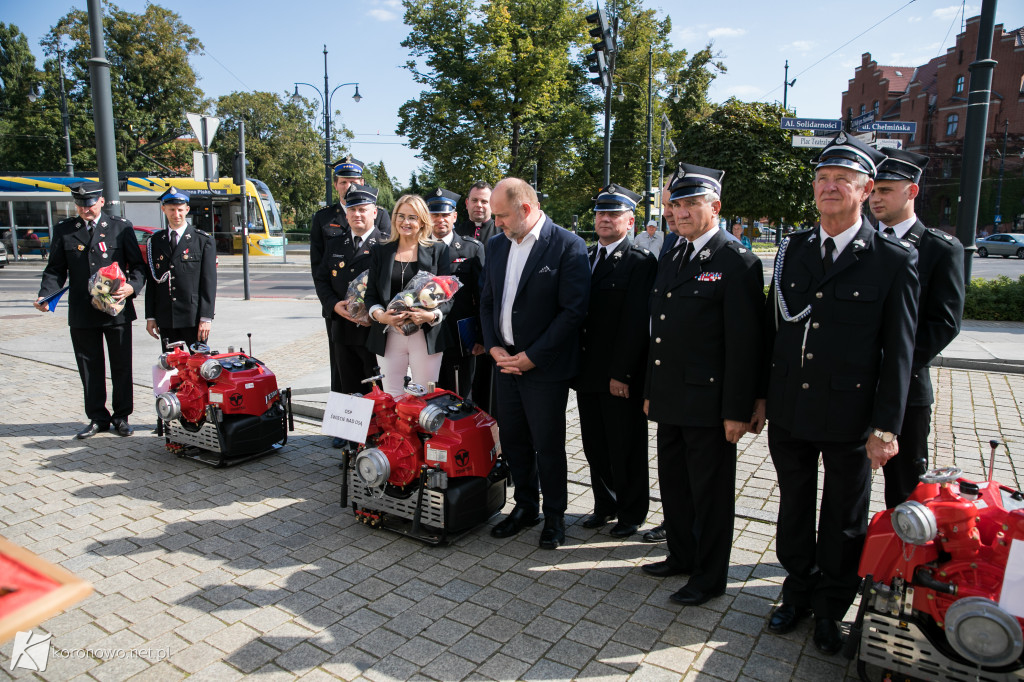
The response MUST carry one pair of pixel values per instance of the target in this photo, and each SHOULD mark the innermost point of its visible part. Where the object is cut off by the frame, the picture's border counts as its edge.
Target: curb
(993, 365)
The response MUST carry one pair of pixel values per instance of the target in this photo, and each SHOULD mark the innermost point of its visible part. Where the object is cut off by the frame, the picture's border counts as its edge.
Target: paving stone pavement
(255, 570)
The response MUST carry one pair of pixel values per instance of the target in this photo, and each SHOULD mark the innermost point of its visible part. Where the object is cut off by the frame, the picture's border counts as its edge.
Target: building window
(863, 109)
(874, 107)
(951, 124)
(947, 168)
(959, 84)
(849, 112)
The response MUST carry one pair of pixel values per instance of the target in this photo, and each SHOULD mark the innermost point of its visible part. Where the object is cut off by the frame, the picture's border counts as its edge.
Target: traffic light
(599, 62)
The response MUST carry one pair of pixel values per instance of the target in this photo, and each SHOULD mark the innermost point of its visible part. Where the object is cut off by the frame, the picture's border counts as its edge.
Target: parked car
(1004, 244)
(3, 255)
(142, 234)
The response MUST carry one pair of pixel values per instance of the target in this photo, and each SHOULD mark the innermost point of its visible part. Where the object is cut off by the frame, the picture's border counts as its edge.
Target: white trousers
(407, 353)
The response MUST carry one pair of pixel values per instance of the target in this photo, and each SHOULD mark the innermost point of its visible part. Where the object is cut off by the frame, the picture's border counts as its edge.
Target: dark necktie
(687, 254)
(358, 241)
(889, 231)
(827, 260)
(602, 254)
(174, 240)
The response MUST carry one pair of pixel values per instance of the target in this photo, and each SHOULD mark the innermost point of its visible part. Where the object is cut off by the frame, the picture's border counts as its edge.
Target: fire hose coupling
(914, 523)
(210, 370)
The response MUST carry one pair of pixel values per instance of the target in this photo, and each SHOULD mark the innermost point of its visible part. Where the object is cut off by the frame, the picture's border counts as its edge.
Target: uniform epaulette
(642, 249)
(939, 233)
(893, 239)
(203, 232)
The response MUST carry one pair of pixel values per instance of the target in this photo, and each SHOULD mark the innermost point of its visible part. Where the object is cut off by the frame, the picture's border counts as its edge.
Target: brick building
(934, 96)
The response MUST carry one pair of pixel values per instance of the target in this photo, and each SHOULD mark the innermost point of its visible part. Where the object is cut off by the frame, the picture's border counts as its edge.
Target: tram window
(62, 210)
(30, 214)
(5, 214)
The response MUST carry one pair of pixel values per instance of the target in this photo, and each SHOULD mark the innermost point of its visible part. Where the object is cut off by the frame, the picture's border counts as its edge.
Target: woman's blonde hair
(425, 236)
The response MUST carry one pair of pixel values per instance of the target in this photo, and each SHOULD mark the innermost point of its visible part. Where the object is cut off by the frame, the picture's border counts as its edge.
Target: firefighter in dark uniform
(182, 277)
(702, 382)
(345, 257)
(613, 359)
(330, 222)
(841, 313)
(462, 324)
(940, 269)
(79, 247)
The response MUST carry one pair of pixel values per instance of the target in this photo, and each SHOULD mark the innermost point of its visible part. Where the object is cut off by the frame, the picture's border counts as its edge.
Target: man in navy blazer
(536, 287)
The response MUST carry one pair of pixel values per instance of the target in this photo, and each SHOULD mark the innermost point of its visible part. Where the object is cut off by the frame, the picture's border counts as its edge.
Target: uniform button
(856, 294)
(792, 284)
(858, 385)
(712, 380)
(657, 340)
(695, 292)
(805, 386)
(810, 356)
(172, 267)
(657, 362)
(668, 295)
(817, 295)
(815, 325)
(662, 316)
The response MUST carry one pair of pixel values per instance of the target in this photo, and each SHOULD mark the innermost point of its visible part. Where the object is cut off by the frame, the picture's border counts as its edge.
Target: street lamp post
(786, 85)
(325, 99)
(666, 126)
(65, 120)
(1002, 162)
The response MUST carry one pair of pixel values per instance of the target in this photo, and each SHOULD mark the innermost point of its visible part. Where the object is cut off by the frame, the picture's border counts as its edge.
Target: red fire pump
(429, 468)
(933, 605)
(222, 408)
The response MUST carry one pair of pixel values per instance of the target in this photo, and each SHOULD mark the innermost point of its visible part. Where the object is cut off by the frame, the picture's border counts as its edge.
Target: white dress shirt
(517, 255)
(842, 240)
(900, 229)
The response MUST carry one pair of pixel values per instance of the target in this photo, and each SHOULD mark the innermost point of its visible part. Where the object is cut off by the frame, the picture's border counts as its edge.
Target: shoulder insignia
(905, 243)
(859, 243)
(742, 249)
(203, 232)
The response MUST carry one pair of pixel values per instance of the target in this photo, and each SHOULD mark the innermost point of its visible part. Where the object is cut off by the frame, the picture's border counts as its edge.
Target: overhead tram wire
(210, 55)
(867, 30)
(942, 45)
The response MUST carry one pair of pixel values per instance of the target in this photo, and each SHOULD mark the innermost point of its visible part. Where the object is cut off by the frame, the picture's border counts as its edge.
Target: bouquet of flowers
(425, 290)
(103, 285)
(356, 298)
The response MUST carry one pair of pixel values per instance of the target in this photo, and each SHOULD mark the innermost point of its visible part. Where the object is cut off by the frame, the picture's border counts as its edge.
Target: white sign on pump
(347, 416)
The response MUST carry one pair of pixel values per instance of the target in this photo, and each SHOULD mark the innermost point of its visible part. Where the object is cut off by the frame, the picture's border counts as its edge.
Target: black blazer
(432, 258)
(467, 228)
(707, 330)
(467, 263)
(341, 264)
(191, 290)
(550, 303)
(846, 369)
(940, 268)
(614, 337)
(74, 258)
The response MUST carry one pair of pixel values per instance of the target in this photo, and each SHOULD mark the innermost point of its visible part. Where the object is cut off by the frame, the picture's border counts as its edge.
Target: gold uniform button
(657, 362)
(815, 325)
(818, 295)
(810, 356)
(856, 294)
(657, 340)
(805, 386)
(712, 380)
(668, 295)
(662, 316)
(792, 284)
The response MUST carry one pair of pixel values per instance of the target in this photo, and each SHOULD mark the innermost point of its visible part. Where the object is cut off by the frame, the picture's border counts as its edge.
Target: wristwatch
(884, 436)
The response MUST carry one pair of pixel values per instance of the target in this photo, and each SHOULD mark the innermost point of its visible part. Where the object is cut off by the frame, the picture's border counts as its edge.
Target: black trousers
(190, 335)
(903, 472)
(335, 370)
(614, 432)
(822, 568)
(88, 346)
(457, 371)
(697, 477)
(354, 362)
(531, 419)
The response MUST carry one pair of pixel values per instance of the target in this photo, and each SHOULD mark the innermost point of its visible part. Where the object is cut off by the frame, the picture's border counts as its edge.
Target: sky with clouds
(267, 46)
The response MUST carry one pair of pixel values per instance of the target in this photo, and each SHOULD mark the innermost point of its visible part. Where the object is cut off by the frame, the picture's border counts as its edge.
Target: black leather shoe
(553, 534)
(786, 617)
(122, 428)
(598, 520)
(91, 430)
(827, 637)
(516, 521)
(656, 534)
(691, 596)
(623, 529)
(661, 569)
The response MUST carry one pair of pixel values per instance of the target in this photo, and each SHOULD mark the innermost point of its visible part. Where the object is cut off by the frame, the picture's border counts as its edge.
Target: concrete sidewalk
(255, 570)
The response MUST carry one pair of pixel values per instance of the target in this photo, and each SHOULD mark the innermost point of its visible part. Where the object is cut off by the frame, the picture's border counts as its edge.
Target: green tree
(282, 148)
(765, 176)
(18, 80)
(152, 85)
(376, 175)
(503, 91)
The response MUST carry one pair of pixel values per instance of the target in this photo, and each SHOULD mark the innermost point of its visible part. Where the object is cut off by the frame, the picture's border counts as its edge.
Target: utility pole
(786, 85)
(649, 193)
(65, 120)
(103, 110)
(974, 136)
(1002, 162)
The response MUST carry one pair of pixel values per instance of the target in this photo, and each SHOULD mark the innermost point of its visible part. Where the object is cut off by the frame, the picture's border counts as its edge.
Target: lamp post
(786, 85)
(666, 126)
(325, 99)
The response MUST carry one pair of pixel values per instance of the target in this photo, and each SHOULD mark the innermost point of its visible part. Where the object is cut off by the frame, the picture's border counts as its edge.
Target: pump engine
(222, 408)
(429, 468)
(933, 605)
